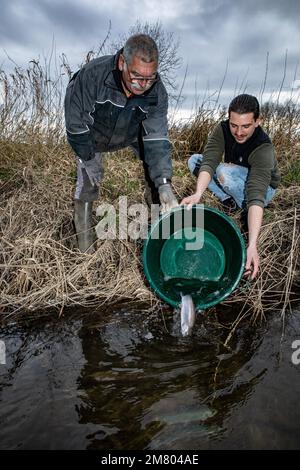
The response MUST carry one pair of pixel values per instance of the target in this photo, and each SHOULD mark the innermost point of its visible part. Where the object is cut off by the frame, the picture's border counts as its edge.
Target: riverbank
(41, 267)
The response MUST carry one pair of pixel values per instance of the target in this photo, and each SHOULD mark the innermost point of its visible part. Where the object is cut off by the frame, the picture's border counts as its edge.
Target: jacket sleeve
(157, 146)
(213, 151)
(79, 103)
(261, 162)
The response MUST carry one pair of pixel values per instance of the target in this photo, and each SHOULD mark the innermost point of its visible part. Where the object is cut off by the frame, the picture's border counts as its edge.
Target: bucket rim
(206, 208)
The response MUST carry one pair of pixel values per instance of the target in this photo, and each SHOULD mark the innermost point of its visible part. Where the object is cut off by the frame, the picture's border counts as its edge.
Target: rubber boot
(83, 225)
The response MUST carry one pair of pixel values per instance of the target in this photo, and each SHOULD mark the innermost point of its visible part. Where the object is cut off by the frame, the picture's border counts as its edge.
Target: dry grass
(40, 266)
(278, 282)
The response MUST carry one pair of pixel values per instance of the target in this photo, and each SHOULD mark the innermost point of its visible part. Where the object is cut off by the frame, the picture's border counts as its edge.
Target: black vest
(239, 153)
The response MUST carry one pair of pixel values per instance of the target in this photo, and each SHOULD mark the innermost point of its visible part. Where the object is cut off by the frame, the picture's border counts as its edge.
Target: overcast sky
(213, 34)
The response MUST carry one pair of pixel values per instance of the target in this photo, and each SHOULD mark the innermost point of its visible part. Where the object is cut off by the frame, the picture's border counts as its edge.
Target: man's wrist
(252, 244)
(84, 161)
(161, 181)
(198, 194)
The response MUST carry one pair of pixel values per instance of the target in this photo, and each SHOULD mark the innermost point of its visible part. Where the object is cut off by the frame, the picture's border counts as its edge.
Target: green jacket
(261, 162)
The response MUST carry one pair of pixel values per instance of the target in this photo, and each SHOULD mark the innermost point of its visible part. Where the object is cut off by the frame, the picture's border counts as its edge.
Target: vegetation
(40, 266)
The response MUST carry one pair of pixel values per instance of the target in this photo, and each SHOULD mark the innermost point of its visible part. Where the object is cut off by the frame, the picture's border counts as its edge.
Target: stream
(121, 379)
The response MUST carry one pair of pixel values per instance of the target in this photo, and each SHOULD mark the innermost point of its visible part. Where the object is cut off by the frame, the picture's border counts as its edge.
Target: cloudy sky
(219, 39)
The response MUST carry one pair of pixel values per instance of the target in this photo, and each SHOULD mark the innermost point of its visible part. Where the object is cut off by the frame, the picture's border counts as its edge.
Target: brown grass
(42, 268)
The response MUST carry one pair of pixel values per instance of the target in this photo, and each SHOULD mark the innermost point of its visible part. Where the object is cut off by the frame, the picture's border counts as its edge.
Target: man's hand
(202, 183)
(252, 262)
(93, 169)
(255, 216)
(167, 198)
(189, 201)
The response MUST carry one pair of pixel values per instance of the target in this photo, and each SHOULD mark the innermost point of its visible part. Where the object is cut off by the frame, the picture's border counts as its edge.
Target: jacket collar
(110, 79)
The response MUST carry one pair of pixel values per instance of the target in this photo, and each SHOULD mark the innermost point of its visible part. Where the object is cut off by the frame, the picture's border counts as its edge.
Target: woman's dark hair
(243, 104)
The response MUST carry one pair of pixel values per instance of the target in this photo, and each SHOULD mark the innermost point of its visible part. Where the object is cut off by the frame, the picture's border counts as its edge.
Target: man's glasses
(135, 78)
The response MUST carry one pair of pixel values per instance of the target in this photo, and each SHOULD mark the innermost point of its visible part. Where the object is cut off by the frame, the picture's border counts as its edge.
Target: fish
(187, 417)
(187, 314)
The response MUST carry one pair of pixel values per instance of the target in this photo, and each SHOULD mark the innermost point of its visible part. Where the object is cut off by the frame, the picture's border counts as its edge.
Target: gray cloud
(12, 28)
(288, 9)
(243, 37)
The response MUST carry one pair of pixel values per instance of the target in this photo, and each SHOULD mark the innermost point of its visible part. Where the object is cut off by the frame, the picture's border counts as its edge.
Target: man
(114, 102)
(249, 175)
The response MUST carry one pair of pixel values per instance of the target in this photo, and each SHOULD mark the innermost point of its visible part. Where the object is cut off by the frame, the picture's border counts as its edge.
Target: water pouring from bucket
(187, 287)
(187, 315)
(193, 259)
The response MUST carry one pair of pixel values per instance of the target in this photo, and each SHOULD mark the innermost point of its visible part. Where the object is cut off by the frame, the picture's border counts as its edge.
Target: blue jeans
(233, 179)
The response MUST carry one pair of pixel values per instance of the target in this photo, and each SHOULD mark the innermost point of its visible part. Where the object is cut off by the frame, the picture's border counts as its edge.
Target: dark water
(121, 380)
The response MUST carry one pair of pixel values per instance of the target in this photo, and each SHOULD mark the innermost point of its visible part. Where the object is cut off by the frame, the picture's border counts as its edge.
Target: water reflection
(127, 381)
(155, 393)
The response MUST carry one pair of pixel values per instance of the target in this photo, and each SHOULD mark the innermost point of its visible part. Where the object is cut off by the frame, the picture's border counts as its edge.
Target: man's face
(242, 126)
(138, 76)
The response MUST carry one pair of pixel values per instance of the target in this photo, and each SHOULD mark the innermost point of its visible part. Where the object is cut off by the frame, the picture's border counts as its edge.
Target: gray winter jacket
(100, 118)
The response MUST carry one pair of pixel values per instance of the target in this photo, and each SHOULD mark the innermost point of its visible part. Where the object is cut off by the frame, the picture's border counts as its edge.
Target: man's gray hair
(142, 46)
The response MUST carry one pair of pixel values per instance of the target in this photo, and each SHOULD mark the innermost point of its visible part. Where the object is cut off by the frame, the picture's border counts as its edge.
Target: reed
(40, 266)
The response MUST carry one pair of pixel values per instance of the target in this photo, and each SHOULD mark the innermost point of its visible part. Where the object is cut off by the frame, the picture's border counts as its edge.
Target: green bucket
(199, 252)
